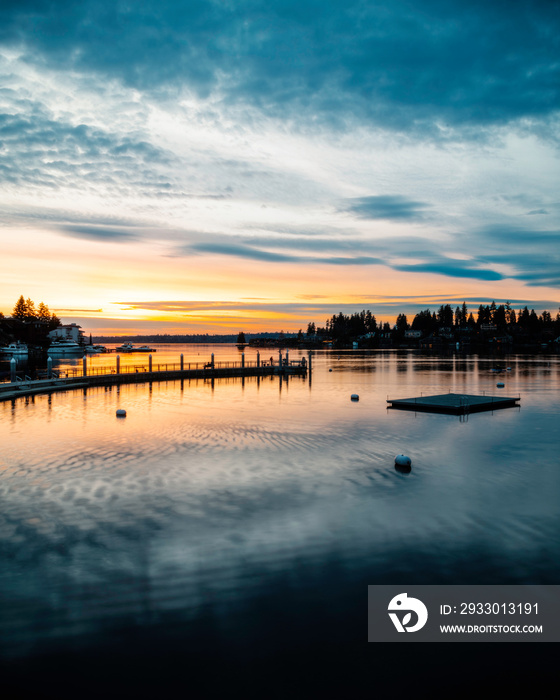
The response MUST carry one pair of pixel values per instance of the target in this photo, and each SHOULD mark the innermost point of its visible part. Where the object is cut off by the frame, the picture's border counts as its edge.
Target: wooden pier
(132, 375)
(457, 404)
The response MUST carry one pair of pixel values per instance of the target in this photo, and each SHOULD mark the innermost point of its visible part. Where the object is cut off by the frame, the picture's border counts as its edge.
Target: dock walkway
(29, 387)
(457, 404)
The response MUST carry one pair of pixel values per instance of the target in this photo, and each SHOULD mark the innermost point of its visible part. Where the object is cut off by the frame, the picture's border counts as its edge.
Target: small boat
(15, 350)
(65, 347)
(95, 349)
(128, 347)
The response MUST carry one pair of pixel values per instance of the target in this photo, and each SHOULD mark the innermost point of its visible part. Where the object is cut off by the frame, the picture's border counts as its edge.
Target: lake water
(231, 528)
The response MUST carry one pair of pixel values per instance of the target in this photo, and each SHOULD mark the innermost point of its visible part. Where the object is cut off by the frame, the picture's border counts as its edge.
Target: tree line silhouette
(490, 318)
(28, 323)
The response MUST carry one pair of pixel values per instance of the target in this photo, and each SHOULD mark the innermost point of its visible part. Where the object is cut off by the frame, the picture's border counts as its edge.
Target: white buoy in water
(500, 384)
(355, 397)
(121, 413)
(403, 461)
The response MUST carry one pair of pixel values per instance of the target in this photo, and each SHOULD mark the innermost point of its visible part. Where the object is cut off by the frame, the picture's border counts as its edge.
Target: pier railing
(148, 366)
(138, 368)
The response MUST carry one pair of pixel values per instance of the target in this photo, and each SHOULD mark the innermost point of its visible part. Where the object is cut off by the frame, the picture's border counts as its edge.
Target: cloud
(358, 253)
(43, 151)
(394, 207)
(313, 308)
(97, 233)
(241, 251)
(443, 268)
(427, 66)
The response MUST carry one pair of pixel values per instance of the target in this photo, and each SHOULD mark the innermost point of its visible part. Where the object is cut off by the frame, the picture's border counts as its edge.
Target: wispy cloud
(98, 233)
(386, 207)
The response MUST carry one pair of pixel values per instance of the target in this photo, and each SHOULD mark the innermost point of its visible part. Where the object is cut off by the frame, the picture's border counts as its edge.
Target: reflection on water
(215, 510)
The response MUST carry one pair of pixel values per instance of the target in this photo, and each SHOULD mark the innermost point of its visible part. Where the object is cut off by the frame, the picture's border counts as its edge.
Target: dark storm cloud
(402, 65)
(394, 207)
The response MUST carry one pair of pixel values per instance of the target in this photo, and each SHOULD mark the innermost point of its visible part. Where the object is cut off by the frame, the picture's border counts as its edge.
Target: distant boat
(128, 347)
(65, 347)
(95, 349)
(15, 350)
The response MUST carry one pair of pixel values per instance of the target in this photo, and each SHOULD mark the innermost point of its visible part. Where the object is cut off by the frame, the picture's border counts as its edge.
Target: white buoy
(403, 461)
(355, 397)
(121, 413)
(500, 384)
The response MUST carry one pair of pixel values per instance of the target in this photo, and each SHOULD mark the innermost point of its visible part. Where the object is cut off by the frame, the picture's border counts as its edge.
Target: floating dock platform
(456, 404)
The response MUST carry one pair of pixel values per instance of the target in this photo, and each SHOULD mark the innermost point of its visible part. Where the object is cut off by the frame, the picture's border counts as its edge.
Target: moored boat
(15, 350)
(65, 347)
(95, 349)
(128, 347)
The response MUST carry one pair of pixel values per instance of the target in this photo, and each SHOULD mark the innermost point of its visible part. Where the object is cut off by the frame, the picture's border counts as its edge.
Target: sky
(192, 166)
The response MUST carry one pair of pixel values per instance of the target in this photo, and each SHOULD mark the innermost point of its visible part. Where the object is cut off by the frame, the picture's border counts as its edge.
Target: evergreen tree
(31, 312)
(510, 314)
(483, 314)
(370, 322)
(43, 312)
(445, 316)
(20, 309)
(500, 316)
(458, 316)
(523, 318)
(402, 323)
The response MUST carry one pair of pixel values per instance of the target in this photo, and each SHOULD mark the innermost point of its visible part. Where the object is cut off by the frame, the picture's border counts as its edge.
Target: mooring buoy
(403, 461)
(121, 413)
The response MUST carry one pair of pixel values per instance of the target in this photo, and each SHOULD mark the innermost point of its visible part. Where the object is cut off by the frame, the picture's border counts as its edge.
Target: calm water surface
(245, 519)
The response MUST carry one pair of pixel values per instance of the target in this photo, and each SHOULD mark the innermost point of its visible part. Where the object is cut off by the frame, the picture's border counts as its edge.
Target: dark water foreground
(220, 541)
